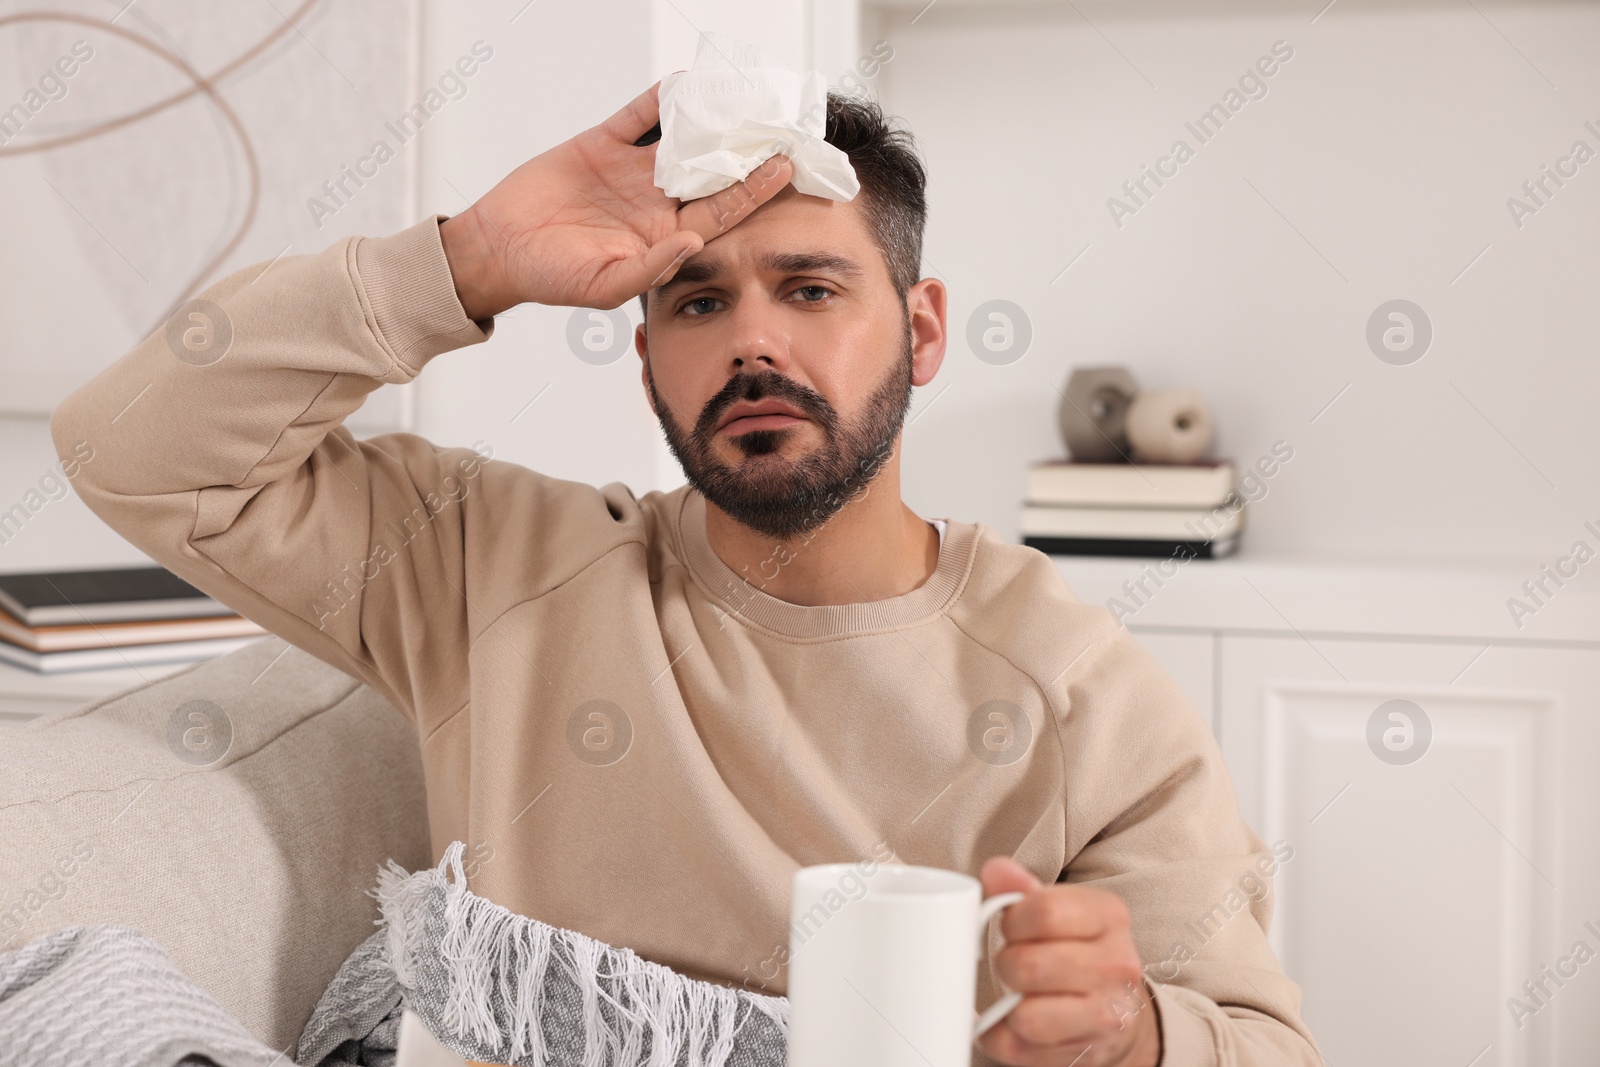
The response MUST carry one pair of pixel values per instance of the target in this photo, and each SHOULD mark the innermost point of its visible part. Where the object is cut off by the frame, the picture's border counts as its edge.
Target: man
(644, 713)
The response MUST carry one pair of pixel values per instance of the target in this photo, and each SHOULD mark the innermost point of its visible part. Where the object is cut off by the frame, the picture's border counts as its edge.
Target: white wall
(555, 69)
(1377, 166)
(560, 68)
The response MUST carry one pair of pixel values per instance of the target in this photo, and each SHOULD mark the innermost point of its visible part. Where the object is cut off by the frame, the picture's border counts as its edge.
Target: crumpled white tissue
(734, 109)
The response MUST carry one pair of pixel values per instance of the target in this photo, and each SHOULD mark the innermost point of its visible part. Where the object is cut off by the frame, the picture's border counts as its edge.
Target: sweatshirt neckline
(823, 620)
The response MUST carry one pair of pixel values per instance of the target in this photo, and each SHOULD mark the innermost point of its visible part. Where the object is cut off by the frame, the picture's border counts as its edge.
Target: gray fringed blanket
(490, 984)
(503, 988)
(108, 994)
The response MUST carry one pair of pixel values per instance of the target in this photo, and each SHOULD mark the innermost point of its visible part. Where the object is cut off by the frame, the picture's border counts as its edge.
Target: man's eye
(814, 288)
(698, 300)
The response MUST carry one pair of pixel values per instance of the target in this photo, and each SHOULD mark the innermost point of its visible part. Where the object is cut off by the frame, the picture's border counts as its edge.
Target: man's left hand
(1070, 952)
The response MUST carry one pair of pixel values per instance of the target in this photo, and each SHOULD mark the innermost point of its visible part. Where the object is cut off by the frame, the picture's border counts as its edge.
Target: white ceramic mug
(416, 1047)
(883, 965)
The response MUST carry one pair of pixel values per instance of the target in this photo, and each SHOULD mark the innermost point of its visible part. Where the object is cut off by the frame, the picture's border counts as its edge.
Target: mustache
(768, 383)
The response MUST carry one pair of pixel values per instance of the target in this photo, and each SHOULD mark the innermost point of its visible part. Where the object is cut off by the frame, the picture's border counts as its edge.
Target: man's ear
(641, 344)
(925, 306)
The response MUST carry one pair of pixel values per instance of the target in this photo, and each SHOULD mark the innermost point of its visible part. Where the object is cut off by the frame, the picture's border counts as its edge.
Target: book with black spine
(103, 594)
(1154, 548)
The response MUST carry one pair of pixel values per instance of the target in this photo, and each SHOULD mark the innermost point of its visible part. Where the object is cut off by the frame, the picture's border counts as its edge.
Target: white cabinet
(1423, 894)
(1438, 780)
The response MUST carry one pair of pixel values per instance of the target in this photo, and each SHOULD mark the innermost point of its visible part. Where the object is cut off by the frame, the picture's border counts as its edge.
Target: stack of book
(53, 621)
(1125, 509)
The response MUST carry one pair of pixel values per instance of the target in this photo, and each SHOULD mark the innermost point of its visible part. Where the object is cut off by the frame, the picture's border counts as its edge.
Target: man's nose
(757, 339)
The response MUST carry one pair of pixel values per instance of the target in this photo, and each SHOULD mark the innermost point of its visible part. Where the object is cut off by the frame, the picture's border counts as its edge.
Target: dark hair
(892, 181)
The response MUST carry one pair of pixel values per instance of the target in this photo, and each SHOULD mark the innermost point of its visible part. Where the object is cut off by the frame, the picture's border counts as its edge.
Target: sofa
(237, 811)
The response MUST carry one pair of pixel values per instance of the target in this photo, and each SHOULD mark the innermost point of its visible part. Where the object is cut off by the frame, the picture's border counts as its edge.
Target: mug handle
(1002, 1007)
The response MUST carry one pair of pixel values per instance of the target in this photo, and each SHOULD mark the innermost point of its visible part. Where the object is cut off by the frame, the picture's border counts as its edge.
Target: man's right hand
(584, 225)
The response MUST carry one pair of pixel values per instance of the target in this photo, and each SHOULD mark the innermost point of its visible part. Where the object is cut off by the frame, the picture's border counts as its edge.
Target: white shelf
(1259, 594)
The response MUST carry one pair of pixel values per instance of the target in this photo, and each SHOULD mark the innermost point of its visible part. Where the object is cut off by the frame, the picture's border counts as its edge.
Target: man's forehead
(792, 233)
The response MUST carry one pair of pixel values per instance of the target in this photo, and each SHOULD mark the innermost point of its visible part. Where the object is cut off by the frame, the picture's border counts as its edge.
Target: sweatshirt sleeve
(1152, 816)
(217, 446)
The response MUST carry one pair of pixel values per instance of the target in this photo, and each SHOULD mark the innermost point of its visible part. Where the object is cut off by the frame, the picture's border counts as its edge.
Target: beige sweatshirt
(633, 740)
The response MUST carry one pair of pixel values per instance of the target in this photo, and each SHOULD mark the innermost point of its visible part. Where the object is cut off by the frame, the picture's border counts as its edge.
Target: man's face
(795, 305)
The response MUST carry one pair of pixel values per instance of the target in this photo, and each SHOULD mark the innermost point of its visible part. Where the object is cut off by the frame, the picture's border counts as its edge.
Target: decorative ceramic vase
(1168, 426)
(1093, 413)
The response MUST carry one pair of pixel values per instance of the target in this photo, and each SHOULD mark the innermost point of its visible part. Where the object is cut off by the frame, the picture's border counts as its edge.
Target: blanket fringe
(486, 946)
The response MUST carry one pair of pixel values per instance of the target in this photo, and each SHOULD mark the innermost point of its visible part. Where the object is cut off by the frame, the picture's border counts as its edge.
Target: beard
(778, 497)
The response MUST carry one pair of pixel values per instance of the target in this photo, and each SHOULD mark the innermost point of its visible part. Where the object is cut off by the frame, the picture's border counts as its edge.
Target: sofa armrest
(237, 811)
